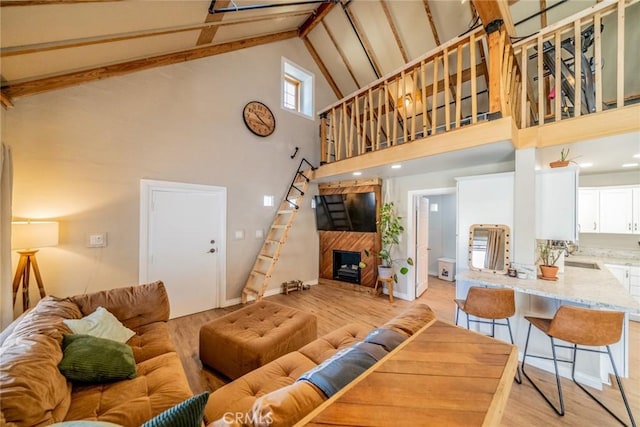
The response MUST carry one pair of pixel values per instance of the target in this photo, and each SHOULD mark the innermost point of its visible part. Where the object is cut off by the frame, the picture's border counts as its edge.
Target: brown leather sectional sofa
(33, 392)
(271, 396)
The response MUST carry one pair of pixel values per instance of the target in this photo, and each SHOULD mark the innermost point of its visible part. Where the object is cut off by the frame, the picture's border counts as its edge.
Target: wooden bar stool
(389, 282)
(489, 305)
(579, 326)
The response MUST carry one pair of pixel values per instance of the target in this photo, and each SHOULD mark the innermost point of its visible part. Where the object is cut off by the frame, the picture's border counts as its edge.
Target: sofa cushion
(151, 340)
(329, 344)
(238, 396)
(97, 360)
(32, 389)
(185, 414)
(134, 306)
(159, 385)
(339, 370)
(412, 319)
(102, 324)
(287, 405)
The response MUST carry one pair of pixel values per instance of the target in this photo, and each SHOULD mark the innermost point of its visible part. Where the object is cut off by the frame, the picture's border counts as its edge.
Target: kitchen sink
(582, 264)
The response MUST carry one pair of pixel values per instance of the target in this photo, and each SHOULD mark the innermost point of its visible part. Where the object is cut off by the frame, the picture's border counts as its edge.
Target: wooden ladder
(269, 254)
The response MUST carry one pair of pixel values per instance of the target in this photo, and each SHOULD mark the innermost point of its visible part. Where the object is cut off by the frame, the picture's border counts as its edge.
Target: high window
(297, 89)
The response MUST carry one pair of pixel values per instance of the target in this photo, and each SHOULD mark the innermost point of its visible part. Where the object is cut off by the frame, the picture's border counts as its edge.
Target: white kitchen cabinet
(616, 210)
(588, 210)
(636, 211)
(557, 204)
(629, 277)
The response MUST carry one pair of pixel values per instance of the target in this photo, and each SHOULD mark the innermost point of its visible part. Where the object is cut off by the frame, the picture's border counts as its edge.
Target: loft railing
(591, 45)
(423, 98)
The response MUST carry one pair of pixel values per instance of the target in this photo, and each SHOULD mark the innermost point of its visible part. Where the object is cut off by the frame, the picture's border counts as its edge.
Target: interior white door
(185, 240)
(422, 244)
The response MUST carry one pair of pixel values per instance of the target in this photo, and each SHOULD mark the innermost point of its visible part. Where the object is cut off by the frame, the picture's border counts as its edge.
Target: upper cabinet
(609, 210)
(556, 204)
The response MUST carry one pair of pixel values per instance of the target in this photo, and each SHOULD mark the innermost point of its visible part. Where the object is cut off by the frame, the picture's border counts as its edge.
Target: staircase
(267, 259)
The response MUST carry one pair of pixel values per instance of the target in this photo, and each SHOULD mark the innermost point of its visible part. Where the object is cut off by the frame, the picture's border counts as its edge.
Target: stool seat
(584, 327)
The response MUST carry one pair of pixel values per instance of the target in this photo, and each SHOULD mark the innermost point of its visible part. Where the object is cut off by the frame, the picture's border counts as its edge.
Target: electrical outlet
(97, 240)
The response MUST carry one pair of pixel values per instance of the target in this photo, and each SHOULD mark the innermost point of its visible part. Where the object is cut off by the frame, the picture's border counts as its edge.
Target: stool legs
(555, 365)
(560, 411)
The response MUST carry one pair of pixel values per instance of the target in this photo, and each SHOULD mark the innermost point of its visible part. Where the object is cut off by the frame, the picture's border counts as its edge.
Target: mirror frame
(507, 247)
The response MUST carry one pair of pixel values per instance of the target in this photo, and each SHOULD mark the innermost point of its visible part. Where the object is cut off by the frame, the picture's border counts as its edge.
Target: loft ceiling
(50, 44)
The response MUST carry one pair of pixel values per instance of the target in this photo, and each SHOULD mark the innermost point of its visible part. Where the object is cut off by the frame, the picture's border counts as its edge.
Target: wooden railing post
(323, 138)
(496, 52)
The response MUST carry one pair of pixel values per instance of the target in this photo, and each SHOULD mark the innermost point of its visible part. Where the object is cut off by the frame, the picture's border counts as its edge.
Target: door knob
(212, 250)
(212, 242)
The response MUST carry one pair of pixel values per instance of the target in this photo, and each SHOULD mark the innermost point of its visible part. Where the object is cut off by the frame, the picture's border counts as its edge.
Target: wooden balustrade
(432, 94)
(543, 98)
(453, 85)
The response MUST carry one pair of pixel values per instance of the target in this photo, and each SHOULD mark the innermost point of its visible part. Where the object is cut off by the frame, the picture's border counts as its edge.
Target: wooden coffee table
(442, 375)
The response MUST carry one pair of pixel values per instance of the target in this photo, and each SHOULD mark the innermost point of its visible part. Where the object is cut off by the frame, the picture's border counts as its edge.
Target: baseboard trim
(268, 293)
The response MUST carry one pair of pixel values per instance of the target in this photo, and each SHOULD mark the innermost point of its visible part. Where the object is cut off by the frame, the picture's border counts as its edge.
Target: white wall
(397, 190)
(79, 154)
(442, 230)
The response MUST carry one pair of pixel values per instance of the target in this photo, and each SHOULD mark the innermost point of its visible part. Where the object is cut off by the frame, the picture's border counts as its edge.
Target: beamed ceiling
(50, 44)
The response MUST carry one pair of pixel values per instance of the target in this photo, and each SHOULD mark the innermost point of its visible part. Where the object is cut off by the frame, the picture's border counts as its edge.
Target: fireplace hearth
(346, 266)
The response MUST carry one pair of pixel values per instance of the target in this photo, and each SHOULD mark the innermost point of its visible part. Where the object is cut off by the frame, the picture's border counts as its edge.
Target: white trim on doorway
(411, 231)
(147, 187)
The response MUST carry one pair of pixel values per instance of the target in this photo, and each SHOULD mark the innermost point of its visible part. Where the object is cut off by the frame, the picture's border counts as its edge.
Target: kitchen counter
(585, 287)
(604, 260)
(592, 287)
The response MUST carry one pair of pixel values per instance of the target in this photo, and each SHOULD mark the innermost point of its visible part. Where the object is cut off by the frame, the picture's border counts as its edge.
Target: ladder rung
(285, 211)
(279, 226)
(254, 272)
(266, 258)
(272, 241)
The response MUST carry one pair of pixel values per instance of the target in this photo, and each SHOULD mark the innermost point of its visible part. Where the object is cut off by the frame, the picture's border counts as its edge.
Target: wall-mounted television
(346, 212)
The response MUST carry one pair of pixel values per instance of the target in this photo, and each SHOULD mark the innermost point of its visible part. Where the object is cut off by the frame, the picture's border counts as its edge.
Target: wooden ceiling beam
(394, 30)
(365, 41)
(316, 17)
(341, 54)
(66, 44)
(432, 22)
(17, 90)
(490, 10)
(207, 34)
(323, 68)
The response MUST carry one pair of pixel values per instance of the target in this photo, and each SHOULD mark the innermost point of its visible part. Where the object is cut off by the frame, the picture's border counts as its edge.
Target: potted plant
(564, 159)
(390, 226)
(548, 258)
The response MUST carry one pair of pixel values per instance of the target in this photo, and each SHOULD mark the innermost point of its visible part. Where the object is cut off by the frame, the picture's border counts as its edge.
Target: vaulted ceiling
(50, 44)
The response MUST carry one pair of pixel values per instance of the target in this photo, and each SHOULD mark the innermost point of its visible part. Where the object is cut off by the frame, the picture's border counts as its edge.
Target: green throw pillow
(96, 360)
(186, 414)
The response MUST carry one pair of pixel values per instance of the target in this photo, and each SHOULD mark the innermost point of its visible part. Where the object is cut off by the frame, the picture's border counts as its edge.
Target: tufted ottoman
(246, 339)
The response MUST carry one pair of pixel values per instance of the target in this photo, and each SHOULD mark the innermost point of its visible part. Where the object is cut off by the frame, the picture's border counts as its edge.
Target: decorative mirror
(489, 248)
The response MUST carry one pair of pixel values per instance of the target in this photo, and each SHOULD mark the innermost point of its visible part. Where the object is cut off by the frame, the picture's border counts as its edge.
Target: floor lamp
(28, 237)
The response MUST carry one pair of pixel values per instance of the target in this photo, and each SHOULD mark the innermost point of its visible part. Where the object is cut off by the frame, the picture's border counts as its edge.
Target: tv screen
(346, 212)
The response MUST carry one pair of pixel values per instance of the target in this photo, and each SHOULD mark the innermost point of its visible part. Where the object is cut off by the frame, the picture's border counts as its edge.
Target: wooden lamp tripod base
(27, 260)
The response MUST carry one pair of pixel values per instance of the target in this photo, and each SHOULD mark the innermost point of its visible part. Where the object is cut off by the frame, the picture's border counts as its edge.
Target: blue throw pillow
(185, 414)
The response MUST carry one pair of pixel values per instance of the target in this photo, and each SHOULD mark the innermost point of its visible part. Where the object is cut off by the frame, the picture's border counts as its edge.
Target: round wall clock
(259, 118)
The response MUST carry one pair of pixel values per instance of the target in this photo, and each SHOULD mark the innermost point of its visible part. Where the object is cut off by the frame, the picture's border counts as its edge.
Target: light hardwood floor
(335, 306)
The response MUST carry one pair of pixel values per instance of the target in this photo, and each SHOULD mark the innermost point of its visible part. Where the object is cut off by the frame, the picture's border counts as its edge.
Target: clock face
(259, 118)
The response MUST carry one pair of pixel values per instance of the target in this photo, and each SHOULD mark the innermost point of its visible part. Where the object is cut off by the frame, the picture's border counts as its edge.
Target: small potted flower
(548, 258)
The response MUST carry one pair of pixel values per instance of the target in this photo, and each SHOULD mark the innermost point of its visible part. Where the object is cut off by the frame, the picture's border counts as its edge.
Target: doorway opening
(432, 233)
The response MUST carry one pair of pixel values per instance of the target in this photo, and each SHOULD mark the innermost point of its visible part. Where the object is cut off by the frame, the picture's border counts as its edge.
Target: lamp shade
(33, 234)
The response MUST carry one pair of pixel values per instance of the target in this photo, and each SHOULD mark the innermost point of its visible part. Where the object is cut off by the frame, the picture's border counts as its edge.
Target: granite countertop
(580, 285)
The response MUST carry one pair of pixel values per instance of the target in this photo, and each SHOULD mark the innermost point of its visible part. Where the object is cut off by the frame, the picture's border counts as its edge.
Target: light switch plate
(238, 234)
(259, 234)
(97, 240)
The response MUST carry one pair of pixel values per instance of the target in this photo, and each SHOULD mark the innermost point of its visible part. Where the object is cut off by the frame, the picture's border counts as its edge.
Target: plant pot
(559, 164)
(549, 271)
(385, 272)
